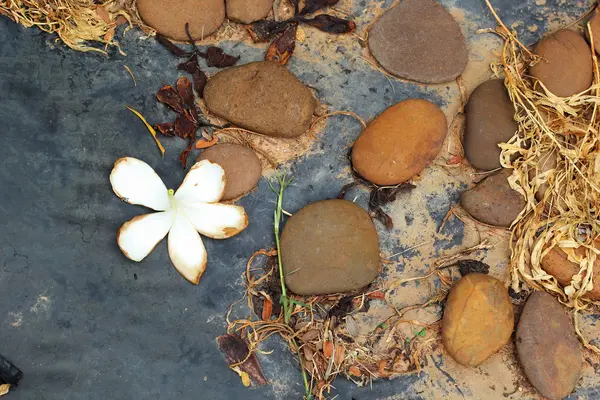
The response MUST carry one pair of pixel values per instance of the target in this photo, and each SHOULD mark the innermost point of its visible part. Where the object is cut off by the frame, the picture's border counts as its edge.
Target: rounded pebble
(419, 40)
(490, 121)
(330, 246)
(242, 167)
(548, 349)
(478, 319)
(400, 142)
(566, 67)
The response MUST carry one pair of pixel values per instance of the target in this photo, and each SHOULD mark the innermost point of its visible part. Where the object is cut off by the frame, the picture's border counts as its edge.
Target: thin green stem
(285, 300)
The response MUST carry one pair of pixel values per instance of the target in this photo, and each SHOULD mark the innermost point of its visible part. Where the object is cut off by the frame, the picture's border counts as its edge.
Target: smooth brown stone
(419, 40)
(330, 246)
(242, 167)
(493, 201)
(400, 142)
(263, 97)
(248, 11)
(566, 68)
(490, 121)
(547, 346)
(558, 265)
(169, 17)
(478, 319)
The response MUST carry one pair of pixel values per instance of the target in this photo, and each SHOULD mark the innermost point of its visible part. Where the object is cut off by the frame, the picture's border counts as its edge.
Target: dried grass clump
(76, 22)
(568, 214)
(327, 347)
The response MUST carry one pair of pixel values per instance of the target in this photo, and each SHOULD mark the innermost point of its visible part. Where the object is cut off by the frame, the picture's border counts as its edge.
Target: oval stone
(248, 11)
(400, 142)
(490, 120)
(557, 264)
(169, 17)
(263, 97)
(419, 40)
(330, 246)
(493, 201)
(478, 319)
(566, 67)
(548, 349)
(242, 167)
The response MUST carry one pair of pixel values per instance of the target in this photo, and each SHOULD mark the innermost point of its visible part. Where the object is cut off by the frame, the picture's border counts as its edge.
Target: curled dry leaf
(216, 57)
(184, 154)
(262, 31)
(200, 79)
(175, 50)
(184, 126)
(340, 354)
(235, 349)
(308, 353)
(169, 96)
(310, 335)
(377, 295)
(184, 88)
(205, 144)
(327, 348)
(354, 371)
(166, 129)
(314, 5)
(469, 266)
(267, 310)
(282, 49)
(329, 23)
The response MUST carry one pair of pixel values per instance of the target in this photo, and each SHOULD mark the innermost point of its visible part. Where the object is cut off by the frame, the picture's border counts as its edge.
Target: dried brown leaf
(169, 96)
(216, 57)
(267, 309)
(340, 354)
(283, 47)
(329, 23)
(314, 5)
(327, 348)
(235, 350)
(184, 126)
(166, 129)
(205, 144)
(175, 50)
(184, 88)
(262, 31)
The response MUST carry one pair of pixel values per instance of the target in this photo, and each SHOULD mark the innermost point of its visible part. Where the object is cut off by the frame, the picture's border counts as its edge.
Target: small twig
(130, 73)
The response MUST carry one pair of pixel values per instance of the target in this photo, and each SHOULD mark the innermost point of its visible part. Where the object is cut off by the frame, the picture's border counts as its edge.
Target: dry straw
(78, 23)
(556, 154)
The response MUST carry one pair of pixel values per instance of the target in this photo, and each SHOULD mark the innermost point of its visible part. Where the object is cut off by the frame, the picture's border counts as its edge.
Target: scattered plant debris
(181, 98)
(470, 266)
(189, 119)
(283, 46)
(322, 331)
(240, 359)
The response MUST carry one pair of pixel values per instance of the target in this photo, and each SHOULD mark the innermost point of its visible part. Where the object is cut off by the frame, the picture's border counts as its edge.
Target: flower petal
(138, 237)
(217, 221)
(135, 182)
(186, 249)
(204, 183)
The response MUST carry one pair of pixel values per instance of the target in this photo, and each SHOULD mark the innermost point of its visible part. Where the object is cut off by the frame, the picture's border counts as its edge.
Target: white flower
(193, 209)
